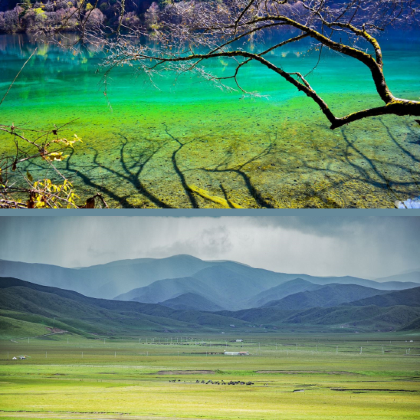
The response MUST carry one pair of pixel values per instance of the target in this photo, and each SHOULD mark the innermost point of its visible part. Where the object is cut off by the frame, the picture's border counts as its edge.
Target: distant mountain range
(27, 308)
(71, 311)
(325, 296)
(107, 280)
(181, 281)
(234, 287)
(408, 276)
(191, 301)
(409, 297)
(274, 294)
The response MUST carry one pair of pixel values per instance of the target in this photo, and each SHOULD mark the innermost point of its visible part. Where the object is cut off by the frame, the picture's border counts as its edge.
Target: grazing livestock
(222, 382)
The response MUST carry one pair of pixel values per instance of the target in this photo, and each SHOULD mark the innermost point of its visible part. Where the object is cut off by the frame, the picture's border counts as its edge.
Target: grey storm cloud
(368, 247)
(210, 242)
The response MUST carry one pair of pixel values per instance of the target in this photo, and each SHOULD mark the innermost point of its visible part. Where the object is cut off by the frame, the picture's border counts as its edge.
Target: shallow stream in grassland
(148, 147)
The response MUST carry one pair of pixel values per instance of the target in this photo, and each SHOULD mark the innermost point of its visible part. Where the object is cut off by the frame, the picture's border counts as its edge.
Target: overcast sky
(367, 247)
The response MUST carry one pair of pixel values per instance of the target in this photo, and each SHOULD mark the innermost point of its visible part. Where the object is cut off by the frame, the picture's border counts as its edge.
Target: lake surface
(146, 147)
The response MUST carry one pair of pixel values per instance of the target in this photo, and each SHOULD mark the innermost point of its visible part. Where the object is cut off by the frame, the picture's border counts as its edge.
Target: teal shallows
(145, 146)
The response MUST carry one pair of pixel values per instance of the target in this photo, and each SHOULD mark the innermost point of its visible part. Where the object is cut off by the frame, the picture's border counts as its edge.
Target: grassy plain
(294, 377)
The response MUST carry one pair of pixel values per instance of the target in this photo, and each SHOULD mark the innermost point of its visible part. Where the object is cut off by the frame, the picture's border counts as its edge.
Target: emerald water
(146, 146)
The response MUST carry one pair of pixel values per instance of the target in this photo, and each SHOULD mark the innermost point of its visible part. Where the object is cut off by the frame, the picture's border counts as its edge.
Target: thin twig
(14, 80)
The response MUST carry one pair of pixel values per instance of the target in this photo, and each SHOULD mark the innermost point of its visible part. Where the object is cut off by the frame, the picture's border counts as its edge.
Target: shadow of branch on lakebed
(199, 171)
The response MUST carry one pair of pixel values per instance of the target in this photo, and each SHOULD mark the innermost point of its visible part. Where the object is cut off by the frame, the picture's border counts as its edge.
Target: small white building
(239, 341)
(236, 353)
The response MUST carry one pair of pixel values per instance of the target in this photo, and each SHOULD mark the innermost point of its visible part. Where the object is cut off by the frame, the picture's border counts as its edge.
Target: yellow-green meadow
(302, 376)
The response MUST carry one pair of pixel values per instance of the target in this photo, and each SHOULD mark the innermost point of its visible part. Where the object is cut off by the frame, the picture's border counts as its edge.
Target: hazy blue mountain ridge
(85, 315)
(409, 297)
(107, 280)
(410, 276)
(282, 290)
(325, 296)
(350, 316)
(191, 302)
(235, 287)
(71, 307)
(230, 285)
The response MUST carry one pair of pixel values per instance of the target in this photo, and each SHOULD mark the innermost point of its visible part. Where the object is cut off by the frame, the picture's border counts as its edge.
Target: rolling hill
(325, 296)
(107, 280)
(84, 315)
(25, 306)
(261, 316)
(408, 277)
(221, 283)
(231, 285)
(235, 287)
(409, 297)
(191, 302)
(415, 325)
(282, 290)
(373, 317)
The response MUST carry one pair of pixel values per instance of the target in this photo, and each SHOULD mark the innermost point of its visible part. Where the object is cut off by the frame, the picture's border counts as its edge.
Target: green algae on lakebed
(146, 147)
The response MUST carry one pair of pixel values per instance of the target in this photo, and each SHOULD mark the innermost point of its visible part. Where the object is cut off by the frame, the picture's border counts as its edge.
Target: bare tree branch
(193, 32)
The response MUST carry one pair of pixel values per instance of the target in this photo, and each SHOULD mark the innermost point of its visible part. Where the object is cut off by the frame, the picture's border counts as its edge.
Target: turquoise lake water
(149, 147)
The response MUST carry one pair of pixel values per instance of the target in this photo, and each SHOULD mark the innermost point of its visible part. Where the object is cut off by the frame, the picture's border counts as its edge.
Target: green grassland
(294, 376)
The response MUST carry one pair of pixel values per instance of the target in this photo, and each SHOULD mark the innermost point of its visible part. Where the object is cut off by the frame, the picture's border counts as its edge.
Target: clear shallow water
(147, 146)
